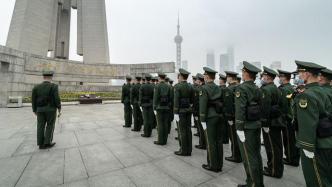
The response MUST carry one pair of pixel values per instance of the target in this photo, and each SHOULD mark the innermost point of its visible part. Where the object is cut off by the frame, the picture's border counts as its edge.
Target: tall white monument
(42, 27)
(178, 41)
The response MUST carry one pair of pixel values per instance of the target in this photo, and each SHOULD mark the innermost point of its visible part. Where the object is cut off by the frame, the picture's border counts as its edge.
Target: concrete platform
(93, 149)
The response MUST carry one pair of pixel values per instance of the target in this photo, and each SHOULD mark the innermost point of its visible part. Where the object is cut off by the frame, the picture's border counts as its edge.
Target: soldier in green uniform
(210, 109)
(161, 105)
(153, 83)
(125, 99)
(195, 105)
(230, 115)
(183, 101)
(172, 106)
(45, 103)
(325, 80)
(146, 102)
(272, 124)
(222, 85)
(314, 135)
(134, 97)
(248, 125)
(201, 131)
(292, 153)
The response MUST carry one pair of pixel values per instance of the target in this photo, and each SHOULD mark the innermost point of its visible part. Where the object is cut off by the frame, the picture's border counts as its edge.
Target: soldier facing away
(125, 99)
(45, 103)
(223, 87)
(314, 135)
(202, 139)
(248, 125)
(146, 103)
(134, 97)
(183, 101)
(210, 109)
(162, 105)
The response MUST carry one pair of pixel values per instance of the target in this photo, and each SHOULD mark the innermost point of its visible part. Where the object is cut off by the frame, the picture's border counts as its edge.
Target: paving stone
(74, 166)
(9, 146)
(116, 179)
(11, 169)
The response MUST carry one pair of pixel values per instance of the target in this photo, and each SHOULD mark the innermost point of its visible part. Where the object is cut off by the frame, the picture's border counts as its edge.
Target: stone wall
(21, 71)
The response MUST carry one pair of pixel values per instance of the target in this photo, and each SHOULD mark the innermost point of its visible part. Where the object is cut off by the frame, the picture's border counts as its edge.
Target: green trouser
(185, 135)
(202, 138)
(317, 171)
(289, 140)
(162, 125)
(214, 142)
(225, 134)
(236, 155)
(148, 120)
(45, 127)
(128, 114)
(274, 151)
(138, 119)
(251, 155)
(154, 124)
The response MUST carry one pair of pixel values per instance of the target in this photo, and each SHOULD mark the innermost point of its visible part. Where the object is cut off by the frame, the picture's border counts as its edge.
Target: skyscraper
(178, 41)
(231, 60)
(184, 64)
(42, 27)
(224, 62)
(210, 60)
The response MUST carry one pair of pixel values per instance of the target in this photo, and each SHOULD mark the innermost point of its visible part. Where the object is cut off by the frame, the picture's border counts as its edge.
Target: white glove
(204, 125)
(241, 136)
(196, 118)
(155, 112)
(141, 109)
(308, 154)
(231, 123)
(266, 129)
(176, 117)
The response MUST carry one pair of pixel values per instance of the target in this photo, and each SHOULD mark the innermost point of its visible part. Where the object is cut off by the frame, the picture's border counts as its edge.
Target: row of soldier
(294, 121)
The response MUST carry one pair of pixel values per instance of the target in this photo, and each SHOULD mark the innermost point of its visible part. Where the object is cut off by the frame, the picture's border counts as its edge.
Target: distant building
(275, 65)
(184, 64)
(231, 61)
(224, 63)
(210, 60)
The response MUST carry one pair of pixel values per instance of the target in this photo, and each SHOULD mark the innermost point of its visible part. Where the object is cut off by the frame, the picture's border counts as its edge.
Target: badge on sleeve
(303, 103)
(237, 94)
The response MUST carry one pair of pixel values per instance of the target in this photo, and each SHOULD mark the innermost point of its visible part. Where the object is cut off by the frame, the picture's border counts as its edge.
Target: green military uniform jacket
(246, 93)
(183, 91)
(210, 92)
(310, 106)
(229, 106)
(328, 91)
(287, 91)
(134, 93)
(46, 89)
(197, 89)
(271, 96)
(125, 97)
(162, 96)
(146, 95)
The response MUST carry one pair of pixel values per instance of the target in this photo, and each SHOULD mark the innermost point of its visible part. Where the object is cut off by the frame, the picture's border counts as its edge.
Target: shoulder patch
(237, 94)
(303, 103)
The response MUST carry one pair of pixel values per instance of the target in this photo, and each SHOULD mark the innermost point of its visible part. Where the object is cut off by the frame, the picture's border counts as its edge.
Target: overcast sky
(260, 30)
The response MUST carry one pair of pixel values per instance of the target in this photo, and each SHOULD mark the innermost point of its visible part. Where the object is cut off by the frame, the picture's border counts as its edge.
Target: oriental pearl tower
(178, 40)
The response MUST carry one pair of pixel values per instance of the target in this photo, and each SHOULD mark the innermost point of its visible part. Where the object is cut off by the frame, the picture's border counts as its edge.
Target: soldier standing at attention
(45, 103)
(230, 115)
(153, 83)
(210, 109)
(161, 104)
(195, 104)
(172, 106)
(201, 131)
(324, 81)
(272, 124)
(134, 97)
(183, 100)
(248, 125)
(125, 99)
(222, 85)
(314, 135)
(146, 102)
(292, 153)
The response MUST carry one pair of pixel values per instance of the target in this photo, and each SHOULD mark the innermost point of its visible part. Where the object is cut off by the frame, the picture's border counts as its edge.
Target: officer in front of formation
(125, 99)
(272, 124)
(248, 125)
(202, 139)
(314, 135)
(229, 95)
(45, 103)
(146, 103)
(211, 109)
(134, 97)
(292, 153)
(183, 101)
(162, 105)
(223, 87)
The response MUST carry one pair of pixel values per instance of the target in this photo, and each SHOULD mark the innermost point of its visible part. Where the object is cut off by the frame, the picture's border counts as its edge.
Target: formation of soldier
(295, 121)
